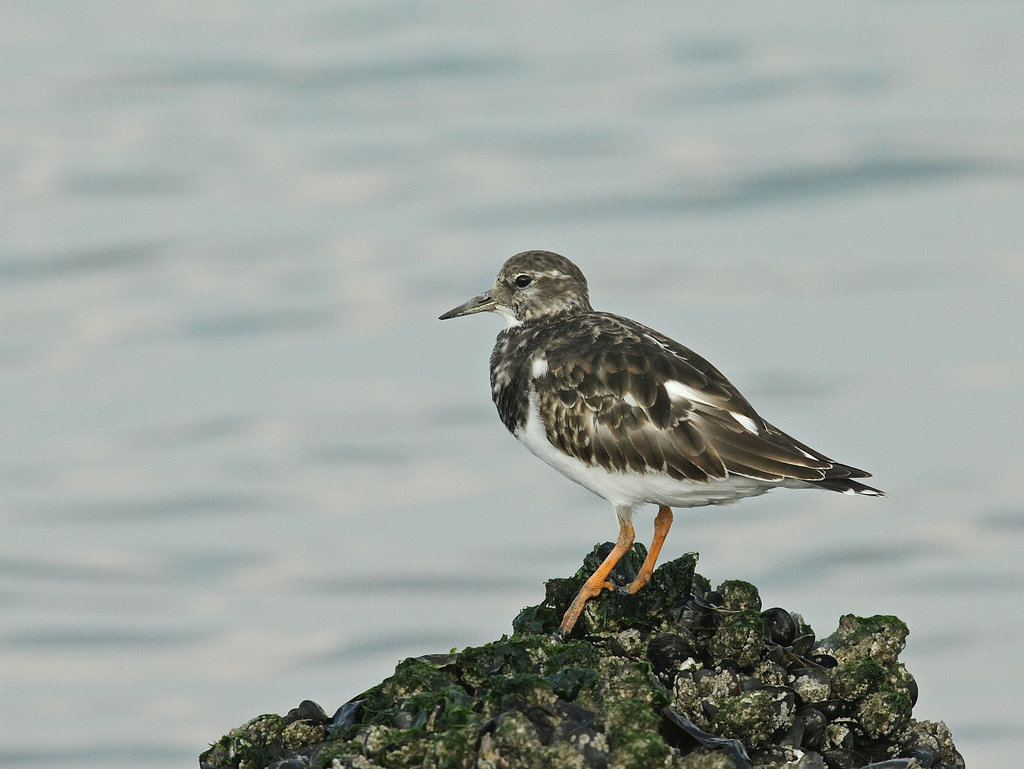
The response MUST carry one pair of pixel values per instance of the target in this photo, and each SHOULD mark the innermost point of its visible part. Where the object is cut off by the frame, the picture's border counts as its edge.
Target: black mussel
(774, 756)
(924, 755)
(783, 699)
(893, 763)
(779, 626)
(912, 691)
(794, 735)
(812, 684)
(834, 709)
(290, 763)
(347, 714)
(958, 762)
(855, 735)
(309, 711)
(750, 683)
(814, 722)
(699, 610)
(700, 675)
(543, 720)
(575, 715)
(811, 760)
(875, 750)
(802, 645)
(404, 719)
(684, 731)
(700, 585)
(668, 651)
(776, 654)
(694, 616)
(841, 758)
(825, 660)
(772, 673)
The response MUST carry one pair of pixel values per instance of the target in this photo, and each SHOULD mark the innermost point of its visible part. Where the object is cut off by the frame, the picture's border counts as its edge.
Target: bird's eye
(523, 280)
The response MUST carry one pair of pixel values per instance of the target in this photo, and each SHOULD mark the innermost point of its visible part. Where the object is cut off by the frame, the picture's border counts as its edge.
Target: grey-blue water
(242, 463)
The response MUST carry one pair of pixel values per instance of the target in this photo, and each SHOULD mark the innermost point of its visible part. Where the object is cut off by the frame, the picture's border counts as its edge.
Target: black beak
(480, 303)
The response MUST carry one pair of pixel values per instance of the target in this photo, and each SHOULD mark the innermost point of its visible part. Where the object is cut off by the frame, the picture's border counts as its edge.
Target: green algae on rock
(679, 676)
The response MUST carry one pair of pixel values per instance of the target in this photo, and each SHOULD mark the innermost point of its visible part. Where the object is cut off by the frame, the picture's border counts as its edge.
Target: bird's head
(530, 286)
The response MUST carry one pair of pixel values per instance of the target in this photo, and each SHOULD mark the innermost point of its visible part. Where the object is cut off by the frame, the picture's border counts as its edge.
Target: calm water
(243, 464)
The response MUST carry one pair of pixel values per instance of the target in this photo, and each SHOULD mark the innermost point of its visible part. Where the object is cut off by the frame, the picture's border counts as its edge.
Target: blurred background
(242, 464)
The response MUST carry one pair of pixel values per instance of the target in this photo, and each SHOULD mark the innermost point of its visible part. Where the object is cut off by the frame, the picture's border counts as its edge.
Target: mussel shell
(841, 758)
(668, 651)
(958, 762)
(776, 654)
(825, 660)
(750, 683)
(307, 711)
(772, 674)
(811, 684)
(835, 708)
(814, 722)
(912, 691)
(783, 700)
(811, 760)
(700, 675)
(856, 736)
(403, 720)
(794, 736)
(802, 645)
(347, 714)
(779, 626)
(924, 755)
(311, 711)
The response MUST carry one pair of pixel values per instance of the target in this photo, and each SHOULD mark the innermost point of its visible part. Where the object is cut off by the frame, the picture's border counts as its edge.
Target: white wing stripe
(679, 391)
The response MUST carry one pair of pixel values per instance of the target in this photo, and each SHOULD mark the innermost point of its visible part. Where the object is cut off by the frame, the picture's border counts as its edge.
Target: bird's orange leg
(662, 523)
(598, 581)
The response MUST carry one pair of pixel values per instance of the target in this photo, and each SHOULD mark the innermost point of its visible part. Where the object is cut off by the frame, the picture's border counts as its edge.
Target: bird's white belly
(631, 489)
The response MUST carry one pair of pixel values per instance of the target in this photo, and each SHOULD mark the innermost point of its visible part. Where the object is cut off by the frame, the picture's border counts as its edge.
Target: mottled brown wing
(629, 399)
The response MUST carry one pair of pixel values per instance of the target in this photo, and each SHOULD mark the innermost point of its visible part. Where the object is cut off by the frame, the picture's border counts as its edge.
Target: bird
(629, 413)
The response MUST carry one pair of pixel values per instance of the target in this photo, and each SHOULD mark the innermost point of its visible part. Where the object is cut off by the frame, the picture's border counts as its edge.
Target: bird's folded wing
(628, 399)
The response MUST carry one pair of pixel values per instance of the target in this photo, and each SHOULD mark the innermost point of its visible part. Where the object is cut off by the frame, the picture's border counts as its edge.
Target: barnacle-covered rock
(678, 676)
(740, 639)
(880, 638)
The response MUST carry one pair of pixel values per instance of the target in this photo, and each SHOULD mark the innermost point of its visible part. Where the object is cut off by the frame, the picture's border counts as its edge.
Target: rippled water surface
(244, 465)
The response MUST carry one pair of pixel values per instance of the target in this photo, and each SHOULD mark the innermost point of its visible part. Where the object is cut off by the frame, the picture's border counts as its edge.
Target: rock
(678, 676)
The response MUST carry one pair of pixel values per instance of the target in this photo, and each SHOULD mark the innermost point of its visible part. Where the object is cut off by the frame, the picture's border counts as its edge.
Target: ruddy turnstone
(629, 413)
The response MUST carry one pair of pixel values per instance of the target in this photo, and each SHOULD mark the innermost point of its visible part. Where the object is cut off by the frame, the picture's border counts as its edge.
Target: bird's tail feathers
(847, 486)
